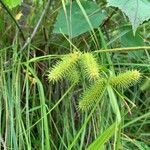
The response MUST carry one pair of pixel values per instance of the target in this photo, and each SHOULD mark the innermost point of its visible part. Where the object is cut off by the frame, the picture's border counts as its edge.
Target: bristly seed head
(126, 79)
(92, 95)
(63, 67)
(90, 66)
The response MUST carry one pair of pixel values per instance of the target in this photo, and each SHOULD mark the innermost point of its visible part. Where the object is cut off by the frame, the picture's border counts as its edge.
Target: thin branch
(14, 20)
(29, 39)
(114, 50)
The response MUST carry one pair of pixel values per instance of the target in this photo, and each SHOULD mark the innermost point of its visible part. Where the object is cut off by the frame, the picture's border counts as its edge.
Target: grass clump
(35, 114)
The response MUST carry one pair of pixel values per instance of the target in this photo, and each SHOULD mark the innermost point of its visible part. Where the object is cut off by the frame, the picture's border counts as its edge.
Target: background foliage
(74, 74)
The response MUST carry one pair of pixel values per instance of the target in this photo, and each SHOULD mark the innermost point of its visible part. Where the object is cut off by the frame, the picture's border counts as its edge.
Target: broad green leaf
(74, 23)
(103, 138)
(137, 11)
(130, 40)
(12, 3)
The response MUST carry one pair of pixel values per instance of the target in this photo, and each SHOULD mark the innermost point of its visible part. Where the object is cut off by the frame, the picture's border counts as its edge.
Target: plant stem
(18, 26)
(36, 27)
(125, 49)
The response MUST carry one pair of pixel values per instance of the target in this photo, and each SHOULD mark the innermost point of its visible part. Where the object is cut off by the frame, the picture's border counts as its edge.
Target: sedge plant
(67, 68)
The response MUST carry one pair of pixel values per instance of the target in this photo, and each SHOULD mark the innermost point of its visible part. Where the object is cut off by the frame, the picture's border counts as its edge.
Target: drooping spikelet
(90, 66)
(63, 67)
(73, 75)
(125, 79)
(92, 95)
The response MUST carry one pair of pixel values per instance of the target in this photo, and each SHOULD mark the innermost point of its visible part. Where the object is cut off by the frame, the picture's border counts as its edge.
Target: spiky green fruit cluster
(73, 75)
(125, 79)
(92, 94)
(63, 67)
(66, 68)
(90, 66)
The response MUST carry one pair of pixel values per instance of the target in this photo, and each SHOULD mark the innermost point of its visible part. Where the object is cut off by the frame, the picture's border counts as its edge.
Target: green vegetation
(74, 75)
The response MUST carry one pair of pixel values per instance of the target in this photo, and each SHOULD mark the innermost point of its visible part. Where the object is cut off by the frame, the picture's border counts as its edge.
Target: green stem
(125, 49)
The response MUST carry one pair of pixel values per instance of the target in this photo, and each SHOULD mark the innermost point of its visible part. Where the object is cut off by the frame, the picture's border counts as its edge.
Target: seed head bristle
(63, 67)
(90, 66)
(92, 95)
(126, 79)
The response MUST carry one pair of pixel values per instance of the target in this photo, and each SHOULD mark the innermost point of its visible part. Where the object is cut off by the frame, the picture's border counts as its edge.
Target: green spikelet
(90, 66)
(92, 95)
(63, 67)
(73, 75)
(125, 79)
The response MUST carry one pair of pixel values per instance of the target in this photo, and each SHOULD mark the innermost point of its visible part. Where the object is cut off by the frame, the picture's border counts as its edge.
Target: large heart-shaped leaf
(73, 22)
(12, 3)
(130, 40)
(137, 11)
